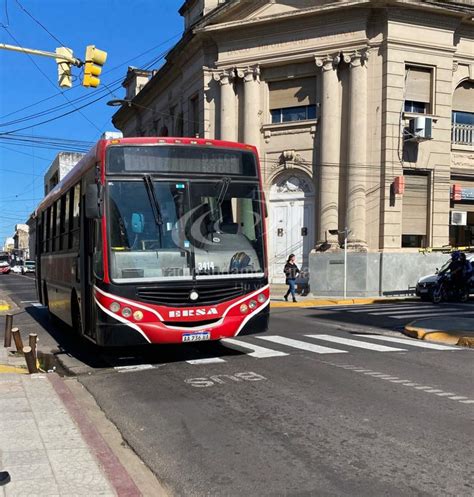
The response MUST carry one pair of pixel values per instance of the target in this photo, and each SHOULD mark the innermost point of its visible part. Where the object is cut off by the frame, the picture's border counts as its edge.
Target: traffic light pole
(52, 55)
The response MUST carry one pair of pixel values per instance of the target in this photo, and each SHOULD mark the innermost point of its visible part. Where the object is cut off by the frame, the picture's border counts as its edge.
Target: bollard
(17, 338)
(30, 360)
(32, 340)
(8, 330)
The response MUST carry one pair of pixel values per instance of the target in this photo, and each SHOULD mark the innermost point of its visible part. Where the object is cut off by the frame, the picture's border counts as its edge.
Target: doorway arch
(291, 216)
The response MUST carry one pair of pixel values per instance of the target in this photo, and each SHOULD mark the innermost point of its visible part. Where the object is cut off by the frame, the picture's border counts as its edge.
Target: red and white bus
(156, 240)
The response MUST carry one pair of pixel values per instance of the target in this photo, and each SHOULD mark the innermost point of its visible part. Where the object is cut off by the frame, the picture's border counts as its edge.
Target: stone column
(228, 128)
(357, 151)
(330, 144)
(251, 77)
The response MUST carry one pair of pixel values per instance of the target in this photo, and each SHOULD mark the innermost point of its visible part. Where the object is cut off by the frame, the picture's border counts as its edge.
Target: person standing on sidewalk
(291, 271)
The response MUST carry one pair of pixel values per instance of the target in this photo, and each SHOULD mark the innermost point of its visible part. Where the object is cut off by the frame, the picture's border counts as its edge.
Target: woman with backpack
(291, 271)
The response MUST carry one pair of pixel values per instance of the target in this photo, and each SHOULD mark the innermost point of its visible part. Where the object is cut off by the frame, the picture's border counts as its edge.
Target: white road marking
(207, 360)
(409, 341)
(445, 394)
(29, 302)
(431, 314)
(259, 352)
(298, 344)
(406, 307)
(355, 343)
(458, 397)
(410, 384)
(467, 401)
(132, 368)
(436, 310)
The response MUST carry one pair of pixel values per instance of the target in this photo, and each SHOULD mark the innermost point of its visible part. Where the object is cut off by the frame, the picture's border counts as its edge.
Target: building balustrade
(462, 134)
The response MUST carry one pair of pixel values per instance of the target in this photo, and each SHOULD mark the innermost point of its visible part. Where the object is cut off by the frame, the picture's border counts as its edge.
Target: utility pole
(64, 57)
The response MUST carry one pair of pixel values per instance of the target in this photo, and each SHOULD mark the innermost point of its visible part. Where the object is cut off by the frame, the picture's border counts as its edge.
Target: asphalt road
(351, 411)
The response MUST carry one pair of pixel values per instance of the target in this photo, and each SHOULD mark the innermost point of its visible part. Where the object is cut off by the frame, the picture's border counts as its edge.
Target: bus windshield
(184, 230)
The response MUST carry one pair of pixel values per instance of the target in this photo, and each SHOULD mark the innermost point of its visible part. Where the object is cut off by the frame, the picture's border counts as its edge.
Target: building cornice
(443, 8)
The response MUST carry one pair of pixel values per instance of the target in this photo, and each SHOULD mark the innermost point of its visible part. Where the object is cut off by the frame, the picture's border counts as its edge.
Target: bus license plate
(196, 337)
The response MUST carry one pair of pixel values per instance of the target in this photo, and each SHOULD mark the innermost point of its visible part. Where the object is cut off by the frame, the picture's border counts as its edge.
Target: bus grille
(179, 296)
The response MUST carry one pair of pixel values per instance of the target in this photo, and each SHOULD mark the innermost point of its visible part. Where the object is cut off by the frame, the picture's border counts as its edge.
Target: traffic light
(95, 59)
(64, 67)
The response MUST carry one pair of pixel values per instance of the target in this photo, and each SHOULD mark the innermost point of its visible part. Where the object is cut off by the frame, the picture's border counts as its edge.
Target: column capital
(356, 58)
(248, 74)
(328, 62)
(224, 77)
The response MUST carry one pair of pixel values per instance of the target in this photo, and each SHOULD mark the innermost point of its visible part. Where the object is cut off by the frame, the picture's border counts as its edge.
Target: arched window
(463, 114)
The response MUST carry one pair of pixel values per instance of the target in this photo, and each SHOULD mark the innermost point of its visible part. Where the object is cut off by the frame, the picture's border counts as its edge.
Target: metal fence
(462, 134)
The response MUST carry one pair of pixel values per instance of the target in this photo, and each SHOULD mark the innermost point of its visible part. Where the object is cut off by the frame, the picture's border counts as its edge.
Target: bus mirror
(138, 222)
(92, 202)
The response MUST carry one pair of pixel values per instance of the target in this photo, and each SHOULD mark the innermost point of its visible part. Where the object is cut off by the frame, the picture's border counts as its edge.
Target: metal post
(17, 338)
(30, 360)
(32, 341)
(8, 330)
(345, 261)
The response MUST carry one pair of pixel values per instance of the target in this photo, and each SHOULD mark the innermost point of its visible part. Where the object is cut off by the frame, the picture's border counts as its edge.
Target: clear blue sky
(125, 29)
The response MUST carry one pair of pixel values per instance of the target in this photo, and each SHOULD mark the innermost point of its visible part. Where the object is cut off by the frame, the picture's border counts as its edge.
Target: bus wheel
(76, 316)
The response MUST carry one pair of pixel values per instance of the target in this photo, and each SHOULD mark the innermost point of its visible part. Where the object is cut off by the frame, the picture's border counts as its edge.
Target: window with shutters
(415, 210)
(418, 89)
(463, 114)
(292, 100)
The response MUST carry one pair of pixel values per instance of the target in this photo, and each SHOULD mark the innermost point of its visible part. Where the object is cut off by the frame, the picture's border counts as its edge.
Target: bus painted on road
(156, 240)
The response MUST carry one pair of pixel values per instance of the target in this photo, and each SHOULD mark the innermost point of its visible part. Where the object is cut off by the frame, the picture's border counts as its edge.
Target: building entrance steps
(443, 329)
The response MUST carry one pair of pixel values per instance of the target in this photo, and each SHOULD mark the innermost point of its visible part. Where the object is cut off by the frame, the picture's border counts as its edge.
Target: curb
(4, 369)
(331, 302)
(431, 335)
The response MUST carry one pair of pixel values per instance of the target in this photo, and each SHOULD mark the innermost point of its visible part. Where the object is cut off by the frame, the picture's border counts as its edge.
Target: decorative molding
(455, 65)
(249, 73)
(289, 128)
(224, 77)
(328, 62)
(293, 183)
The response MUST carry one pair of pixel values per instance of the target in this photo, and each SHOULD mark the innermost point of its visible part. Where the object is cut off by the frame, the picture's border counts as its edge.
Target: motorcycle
(445, 291)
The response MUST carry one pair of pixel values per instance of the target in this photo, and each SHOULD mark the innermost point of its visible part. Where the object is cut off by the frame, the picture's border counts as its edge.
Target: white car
(28, 267)
(17, 269)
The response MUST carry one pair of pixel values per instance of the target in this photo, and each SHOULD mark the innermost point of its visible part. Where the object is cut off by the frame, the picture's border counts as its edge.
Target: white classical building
(362, 112)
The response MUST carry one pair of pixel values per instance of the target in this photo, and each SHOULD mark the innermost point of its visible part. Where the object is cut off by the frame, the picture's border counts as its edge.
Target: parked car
(4, 267)
(426, 284)
(28, 267)
(17, 269)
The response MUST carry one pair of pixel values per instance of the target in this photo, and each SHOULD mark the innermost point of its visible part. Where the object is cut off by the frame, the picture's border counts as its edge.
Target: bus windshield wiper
(225, 182)
(155, 206)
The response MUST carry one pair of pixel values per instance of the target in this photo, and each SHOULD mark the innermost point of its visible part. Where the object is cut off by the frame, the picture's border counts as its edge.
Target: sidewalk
(277, 300)
(445, 330)
(47, 442)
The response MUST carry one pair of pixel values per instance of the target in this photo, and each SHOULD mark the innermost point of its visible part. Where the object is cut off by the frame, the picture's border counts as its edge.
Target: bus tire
(76, 318)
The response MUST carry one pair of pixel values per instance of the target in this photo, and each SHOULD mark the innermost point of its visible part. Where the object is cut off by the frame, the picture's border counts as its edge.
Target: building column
(251, 77)
(330, 144)
(357, 151)
(227, 105)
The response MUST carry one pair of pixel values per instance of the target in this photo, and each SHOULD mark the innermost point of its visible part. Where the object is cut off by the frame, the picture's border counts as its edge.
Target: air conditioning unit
(458, 218)
(420, 129)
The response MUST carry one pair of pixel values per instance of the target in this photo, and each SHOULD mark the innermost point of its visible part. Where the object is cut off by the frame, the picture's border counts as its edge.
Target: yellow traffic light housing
(95, 59)
(64, 67)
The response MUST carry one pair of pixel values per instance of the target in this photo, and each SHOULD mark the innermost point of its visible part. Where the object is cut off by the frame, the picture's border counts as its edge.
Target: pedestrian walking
(291, 271)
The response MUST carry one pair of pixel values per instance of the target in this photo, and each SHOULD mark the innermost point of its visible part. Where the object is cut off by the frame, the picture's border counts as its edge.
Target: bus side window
(75, 232)
(97, 256)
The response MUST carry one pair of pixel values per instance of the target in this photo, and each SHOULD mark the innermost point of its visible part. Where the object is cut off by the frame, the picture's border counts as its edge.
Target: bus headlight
(126, 312)
(244, 308)
(114, 307)
(261, 298)
(253, 304)
(138, 315)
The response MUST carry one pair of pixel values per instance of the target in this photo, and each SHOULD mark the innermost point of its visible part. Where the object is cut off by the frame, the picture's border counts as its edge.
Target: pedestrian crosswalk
(279, 346)
(403, 311)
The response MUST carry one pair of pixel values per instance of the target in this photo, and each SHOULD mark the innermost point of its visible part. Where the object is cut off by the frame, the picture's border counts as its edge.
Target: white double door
(291, 232)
